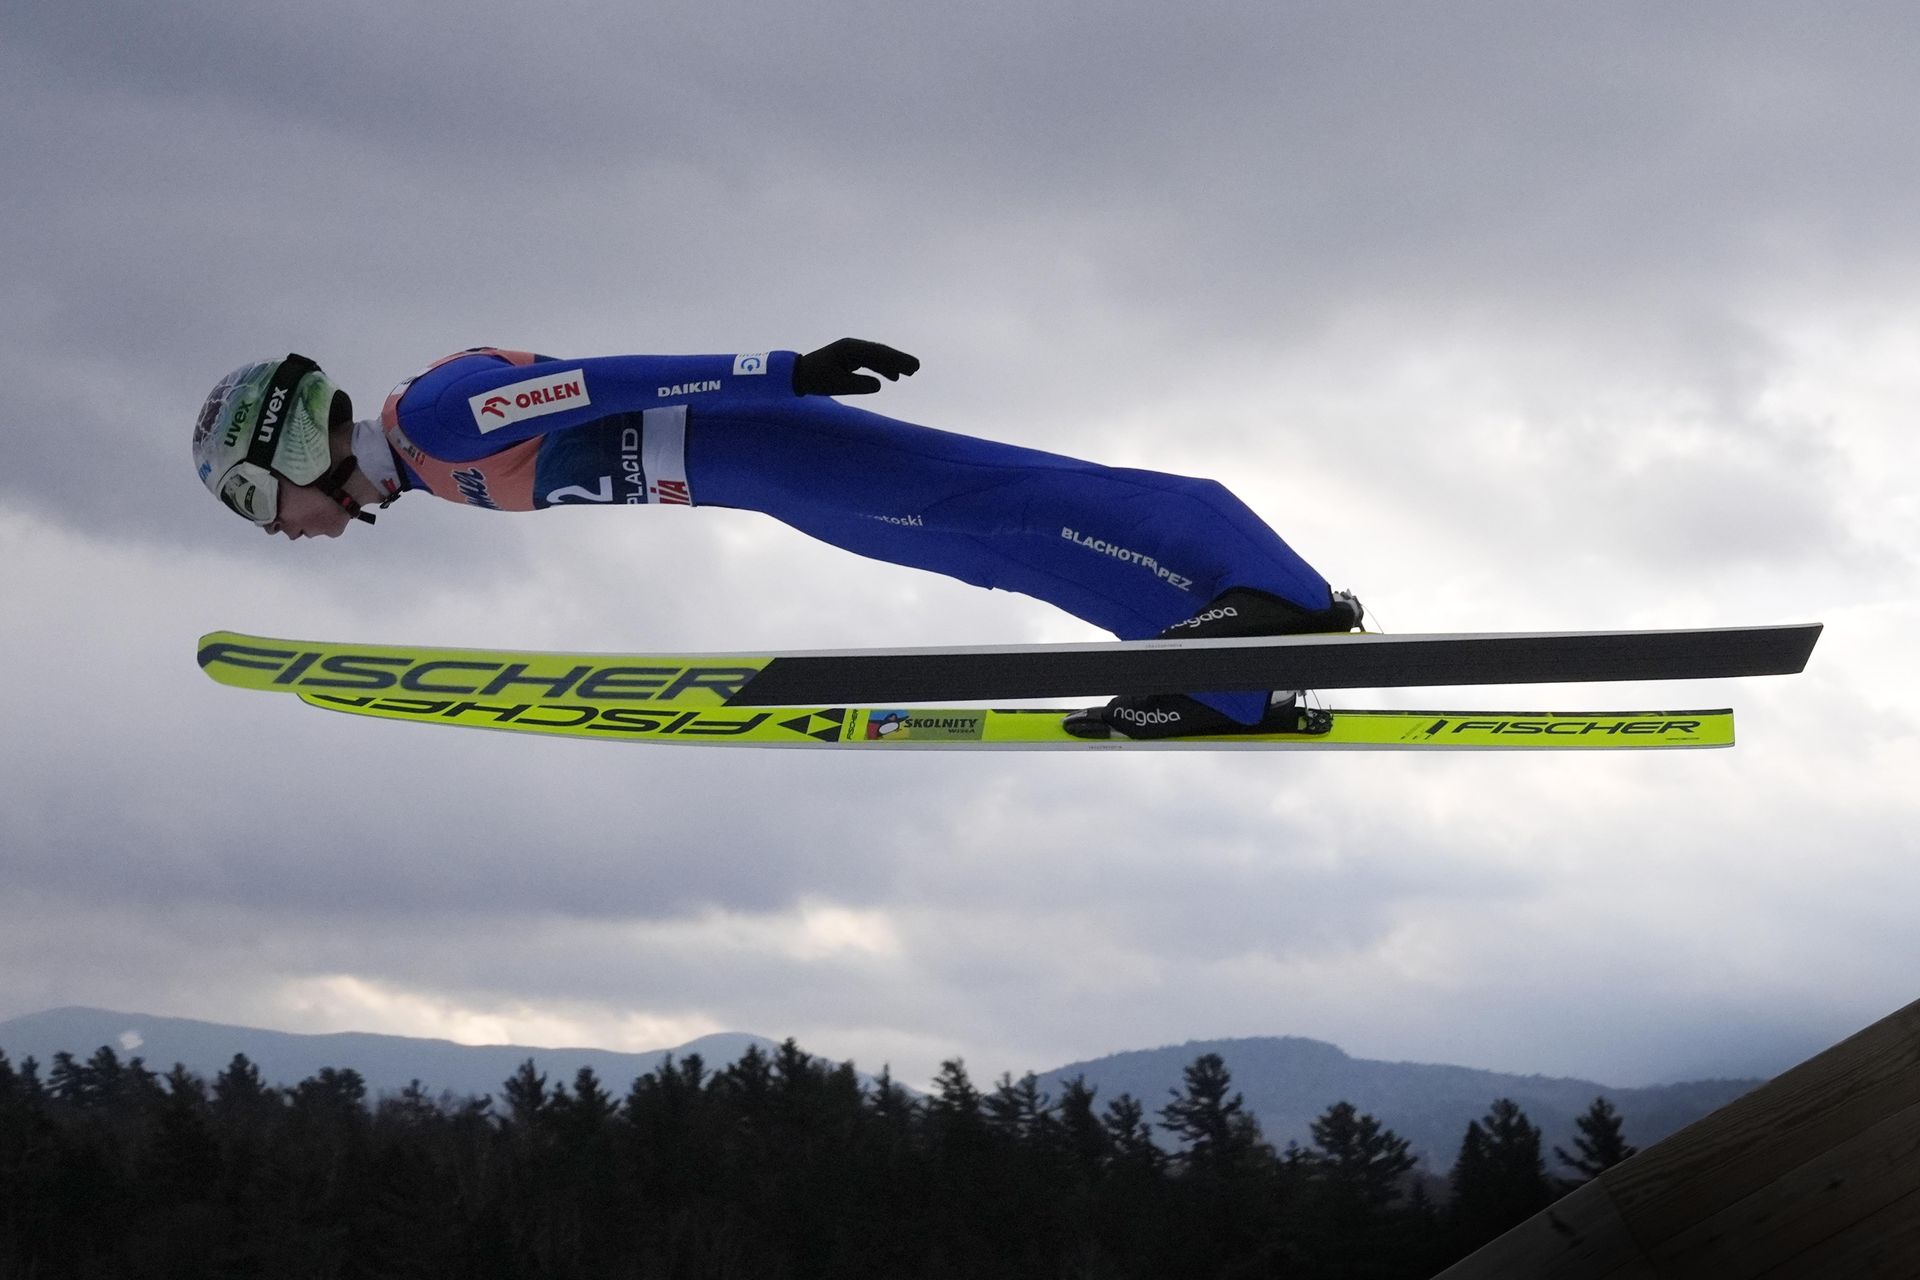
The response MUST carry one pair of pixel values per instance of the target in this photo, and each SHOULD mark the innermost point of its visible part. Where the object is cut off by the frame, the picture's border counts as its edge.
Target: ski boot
(1175, 715)
(1239, 612)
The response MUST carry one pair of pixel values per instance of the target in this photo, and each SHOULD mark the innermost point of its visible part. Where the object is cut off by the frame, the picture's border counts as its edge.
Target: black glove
(830, 370)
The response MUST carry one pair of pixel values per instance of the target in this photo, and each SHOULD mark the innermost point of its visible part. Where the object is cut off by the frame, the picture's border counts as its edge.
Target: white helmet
(270, 420)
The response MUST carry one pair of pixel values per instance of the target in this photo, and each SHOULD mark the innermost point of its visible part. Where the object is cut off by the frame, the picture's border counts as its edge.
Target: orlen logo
(518, 401)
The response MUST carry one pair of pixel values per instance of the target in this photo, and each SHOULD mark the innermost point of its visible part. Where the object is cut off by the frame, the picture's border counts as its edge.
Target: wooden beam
(1818, 1168)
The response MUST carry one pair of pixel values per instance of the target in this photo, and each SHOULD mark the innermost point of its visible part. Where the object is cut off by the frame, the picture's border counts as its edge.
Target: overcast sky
(1508, 316)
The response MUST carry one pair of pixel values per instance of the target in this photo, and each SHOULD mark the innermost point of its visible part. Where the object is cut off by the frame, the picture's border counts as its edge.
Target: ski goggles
(252, 492)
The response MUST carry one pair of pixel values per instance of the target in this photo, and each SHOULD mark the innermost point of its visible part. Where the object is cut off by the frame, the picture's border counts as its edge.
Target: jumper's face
(305, 512)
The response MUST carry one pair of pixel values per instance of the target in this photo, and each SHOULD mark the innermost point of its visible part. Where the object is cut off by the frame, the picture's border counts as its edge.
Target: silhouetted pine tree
(678, 1152)
(582, 1200)
(1500, 1179)
(1351, 1178)
(891, 1104)
(249, 1120)
(101, 1110)
(1037, 1173)
(805, 1162)
(1086, 1147)
(673, 1132)
(969, 1174)
(1356, 1160)
(1215, 1129)
(1016, 1111)
(183, 1161)
(956, 1117)
(526, 1096)
(1105, 1175)
(322, 1161)
(32, 1211)
(1131, 1136)
(426, 1199)
(541, 1217)
(1229, 1199)
(1601, 1144)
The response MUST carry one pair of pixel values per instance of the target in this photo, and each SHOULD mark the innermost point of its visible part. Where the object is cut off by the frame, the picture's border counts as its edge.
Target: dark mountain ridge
(1287, 1080)
(387, 1063)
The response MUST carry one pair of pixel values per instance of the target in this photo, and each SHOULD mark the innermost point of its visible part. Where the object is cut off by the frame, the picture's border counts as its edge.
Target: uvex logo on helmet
(530, 398)
(270, 417)
(237, 428)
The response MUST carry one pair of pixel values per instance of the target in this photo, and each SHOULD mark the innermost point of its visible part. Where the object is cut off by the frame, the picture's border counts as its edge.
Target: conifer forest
(779, 1165)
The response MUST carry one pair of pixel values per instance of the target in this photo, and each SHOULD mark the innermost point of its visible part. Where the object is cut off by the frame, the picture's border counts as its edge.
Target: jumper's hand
(830, 370)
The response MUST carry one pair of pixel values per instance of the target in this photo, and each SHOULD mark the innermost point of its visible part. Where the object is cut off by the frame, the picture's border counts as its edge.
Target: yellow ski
(1028, 729)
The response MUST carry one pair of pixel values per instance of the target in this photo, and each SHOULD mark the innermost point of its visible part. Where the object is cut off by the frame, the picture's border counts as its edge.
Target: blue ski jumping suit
(1131, 551)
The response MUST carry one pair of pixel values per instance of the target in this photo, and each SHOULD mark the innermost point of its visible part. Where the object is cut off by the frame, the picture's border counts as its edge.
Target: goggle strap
(266, 429)
(334, 485)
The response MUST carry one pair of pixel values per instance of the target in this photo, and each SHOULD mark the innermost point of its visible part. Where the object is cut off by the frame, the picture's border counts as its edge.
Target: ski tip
(210, 646)
(1812, 631)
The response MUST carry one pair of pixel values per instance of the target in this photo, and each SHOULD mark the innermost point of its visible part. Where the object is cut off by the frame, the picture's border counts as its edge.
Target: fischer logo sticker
(554, 717)
(533, 398)
(751, 363)
(1562, 727)
(822, 726)
(546, 678)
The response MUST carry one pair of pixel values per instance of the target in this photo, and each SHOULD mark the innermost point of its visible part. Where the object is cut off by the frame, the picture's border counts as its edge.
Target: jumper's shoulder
(475, 402)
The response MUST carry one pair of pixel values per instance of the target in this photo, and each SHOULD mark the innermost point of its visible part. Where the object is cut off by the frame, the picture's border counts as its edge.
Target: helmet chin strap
(334, 485)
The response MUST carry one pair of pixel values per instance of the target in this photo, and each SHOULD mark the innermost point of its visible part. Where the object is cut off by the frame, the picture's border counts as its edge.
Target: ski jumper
(1128, 550)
